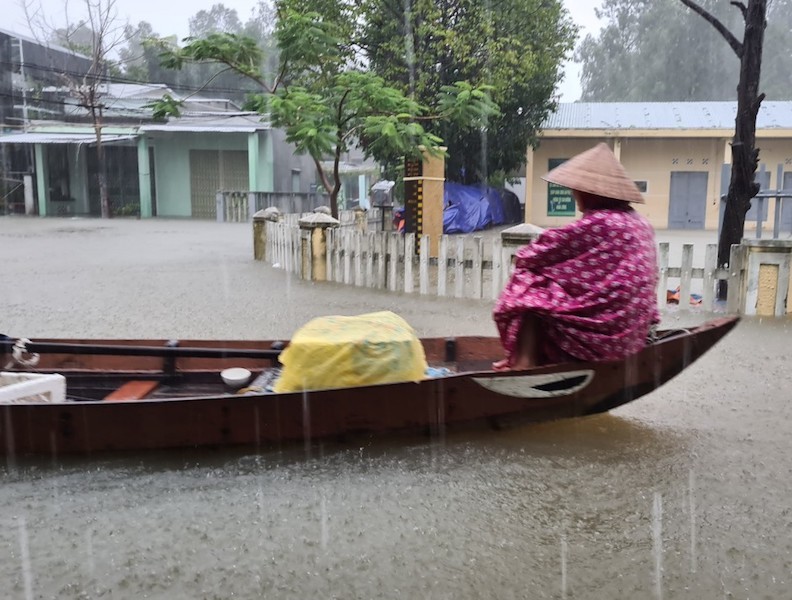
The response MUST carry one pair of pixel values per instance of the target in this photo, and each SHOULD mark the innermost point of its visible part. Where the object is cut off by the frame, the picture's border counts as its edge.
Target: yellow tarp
(337, 352)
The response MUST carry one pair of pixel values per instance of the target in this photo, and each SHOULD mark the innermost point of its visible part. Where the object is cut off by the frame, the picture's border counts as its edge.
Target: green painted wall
(144, 176)
(266, 174)
(42, 179)
(172, 165)
(253, 161)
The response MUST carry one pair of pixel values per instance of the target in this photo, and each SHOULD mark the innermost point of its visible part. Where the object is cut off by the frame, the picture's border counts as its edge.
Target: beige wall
(773, 152)
(652, 159)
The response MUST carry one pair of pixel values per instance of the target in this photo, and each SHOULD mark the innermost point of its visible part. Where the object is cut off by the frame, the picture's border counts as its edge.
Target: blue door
(687, 205)
(786, 204)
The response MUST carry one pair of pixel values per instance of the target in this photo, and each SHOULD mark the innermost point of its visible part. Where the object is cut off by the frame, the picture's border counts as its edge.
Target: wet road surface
(682, 494)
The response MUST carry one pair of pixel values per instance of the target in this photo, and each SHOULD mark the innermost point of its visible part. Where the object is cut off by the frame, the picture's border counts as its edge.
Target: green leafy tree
(515, 46)
(777, 56)
(634, 58)
(209, 76)
(217, 18)
(261, 27)
(139, 59)
(652, 50)
(323, 98)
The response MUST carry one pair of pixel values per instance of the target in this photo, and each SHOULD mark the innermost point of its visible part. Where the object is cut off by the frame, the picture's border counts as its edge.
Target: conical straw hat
(596, 171)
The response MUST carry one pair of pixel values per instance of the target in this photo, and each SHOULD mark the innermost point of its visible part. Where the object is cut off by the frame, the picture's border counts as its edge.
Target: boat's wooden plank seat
(132, 390)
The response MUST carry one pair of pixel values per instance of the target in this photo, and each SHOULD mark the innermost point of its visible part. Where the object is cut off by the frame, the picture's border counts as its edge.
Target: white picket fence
(466, 267)
(346, 218)
(284, 247)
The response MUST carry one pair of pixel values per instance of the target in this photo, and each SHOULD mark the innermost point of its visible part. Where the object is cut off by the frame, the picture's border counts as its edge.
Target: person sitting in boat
(585, 291)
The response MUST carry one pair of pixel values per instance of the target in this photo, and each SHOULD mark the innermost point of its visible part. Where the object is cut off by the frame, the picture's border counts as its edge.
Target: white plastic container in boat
(25, 388)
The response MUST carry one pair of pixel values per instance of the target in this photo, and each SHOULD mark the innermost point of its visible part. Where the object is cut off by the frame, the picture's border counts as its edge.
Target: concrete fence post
(361, 220)
(260, 220)
(315, 244)
(768, 277)
(513, 239)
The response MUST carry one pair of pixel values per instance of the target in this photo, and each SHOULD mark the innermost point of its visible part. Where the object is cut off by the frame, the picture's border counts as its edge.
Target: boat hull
(475, 395)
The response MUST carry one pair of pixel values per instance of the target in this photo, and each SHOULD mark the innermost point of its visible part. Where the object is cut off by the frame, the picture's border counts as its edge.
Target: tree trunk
(334, 203)
(336, 175)
(332, 190)
(102, 178)
(101, 175)
(745, 155)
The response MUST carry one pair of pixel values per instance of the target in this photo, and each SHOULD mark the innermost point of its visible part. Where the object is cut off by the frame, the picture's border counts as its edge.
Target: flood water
(683, 494)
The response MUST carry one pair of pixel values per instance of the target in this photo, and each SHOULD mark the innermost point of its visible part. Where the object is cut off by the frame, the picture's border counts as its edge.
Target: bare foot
(501, 365)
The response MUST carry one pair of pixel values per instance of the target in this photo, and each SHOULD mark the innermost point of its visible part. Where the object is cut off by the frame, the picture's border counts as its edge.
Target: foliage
(140, 58)
(777, 56)
(164, 107)
(656, 50)
(324, 100)
(217, 18)
(515, 46)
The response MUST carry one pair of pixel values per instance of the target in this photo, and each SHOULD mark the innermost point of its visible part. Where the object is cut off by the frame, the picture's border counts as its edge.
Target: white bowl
(235, 377)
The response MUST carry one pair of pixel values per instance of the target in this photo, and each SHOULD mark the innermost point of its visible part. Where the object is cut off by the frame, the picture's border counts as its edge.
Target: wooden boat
(136, 395)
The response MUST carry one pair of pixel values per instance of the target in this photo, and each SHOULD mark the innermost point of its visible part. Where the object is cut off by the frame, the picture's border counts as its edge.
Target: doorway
(212, 171)
(687, 207)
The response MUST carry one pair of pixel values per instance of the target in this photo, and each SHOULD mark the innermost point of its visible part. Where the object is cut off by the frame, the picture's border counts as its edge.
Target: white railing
(466, 266)
(345, 217)
(239, 207)
(284, 247)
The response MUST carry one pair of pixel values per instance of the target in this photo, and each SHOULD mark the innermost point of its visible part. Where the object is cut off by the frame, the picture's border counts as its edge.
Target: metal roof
(663, 115)
(60, 138)
(42, 43)
(217, 123)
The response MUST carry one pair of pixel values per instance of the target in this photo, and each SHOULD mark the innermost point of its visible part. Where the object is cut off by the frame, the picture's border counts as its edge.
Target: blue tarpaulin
(470, 208)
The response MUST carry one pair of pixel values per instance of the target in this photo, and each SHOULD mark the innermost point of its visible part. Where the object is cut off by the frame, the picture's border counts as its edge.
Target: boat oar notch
(450, 350)
(278, 347)
(169, 362)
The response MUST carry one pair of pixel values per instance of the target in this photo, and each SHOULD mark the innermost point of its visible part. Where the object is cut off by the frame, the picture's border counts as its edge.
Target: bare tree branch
(742, 8)
(719, 27)
(208, 81)
(279, 78)
(100, 33)
(322, 175)
(233, 66)
(352, 132)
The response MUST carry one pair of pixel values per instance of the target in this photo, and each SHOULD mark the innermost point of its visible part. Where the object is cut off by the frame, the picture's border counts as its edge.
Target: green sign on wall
(560, 202)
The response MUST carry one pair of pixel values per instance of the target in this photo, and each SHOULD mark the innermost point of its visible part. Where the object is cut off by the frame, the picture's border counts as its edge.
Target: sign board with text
(560, 202)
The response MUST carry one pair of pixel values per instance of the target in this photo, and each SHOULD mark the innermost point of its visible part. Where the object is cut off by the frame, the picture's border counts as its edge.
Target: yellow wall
(654, 160)
(773, 152)
(651, 159)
